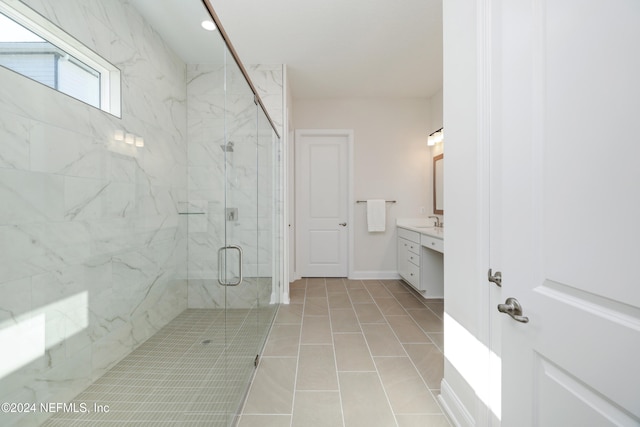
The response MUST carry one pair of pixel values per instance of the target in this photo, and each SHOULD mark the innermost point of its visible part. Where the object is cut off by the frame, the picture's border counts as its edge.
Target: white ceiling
(332, 48)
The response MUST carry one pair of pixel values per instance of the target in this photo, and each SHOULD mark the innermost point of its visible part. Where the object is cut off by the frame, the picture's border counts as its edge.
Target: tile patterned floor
(350, 353)
(181, 376)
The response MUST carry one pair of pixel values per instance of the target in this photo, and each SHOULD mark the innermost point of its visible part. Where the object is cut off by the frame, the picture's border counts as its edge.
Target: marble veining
(15, 147)
(93, 249)
(240, 178)
(90, 239)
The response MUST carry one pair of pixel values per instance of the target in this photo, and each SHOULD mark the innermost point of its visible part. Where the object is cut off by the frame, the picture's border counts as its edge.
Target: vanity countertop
(422, 226)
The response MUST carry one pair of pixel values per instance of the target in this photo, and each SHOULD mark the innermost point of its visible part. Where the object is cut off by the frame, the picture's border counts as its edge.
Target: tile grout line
(335, 358)
(385, 318)
(295, 377)
(244, 403)
(373, 360)
(435, 398)
(402, 344)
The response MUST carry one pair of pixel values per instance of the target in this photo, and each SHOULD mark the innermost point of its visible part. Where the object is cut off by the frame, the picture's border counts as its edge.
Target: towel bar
(364, 201)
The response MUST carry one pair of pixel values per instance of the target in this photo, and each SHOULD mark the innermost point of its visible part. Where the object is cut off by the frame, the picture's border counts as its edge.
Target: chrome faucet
(438, 223)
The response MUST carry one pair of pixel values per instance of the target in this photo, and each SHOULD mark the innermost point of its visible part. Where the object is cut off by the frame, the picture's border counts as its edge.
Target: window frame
(110, 85)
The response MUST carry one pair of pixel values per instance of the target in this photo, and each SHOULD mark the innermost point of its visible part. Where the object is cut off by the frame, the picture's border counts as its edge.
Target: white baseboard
(374, 275)
(452, 405)
(285, 297)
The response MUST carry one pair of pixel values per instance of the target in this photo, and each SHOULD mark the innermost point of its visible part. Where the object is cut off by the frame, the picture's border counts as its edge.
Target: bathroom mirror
(438, 188)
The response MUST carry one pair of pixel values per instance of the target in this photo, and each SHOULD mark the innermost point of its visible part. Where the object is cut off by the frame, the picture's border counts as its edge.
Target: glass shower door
(268, 285)
(238, 258)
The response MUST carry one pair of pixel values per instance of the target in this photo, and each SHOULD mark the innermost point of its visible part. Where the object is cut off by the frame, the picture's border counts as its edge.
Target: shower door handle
(220, 278)
(240, 256)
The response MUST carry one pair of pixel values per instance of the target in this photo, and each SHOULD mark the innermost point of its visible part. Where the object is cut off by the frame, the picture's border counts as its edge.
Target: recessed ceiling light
(208, 25)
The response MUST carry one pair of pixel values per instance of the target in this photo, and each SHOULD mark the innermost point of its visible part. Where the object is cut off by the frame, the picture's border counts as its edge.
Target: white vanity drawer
(415, 248)
(414, 258)
(413, 275)
(409, 235)
(432, 243)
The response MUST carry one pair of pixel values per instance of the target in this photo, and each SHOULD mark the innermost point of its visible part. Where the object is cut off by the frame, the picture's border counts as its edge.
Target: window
(34, 47)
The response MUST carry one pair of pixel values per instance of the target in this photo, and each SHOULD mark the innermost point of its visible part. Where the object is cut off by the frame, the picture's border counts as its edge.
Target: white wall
(290, 200)
(464, 387)
(391, 161)
(435, 108)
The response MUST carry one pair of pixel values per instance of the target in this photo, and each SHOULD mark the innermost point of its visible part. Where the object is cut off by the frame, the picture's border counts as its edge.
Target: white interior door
(322, 184)
(566, 99)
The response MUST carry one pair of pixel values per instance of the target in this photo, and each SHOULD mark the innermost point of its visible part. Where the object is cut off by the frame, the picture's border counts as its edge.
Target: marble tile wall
(242, 179)
(93, 251)
(269, 81)
(92, 247)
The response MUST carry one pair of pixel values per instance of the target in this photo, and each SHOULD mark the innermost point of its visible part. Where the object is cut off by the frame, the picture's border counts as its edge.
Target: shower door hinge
(256, 361)
(255, 99)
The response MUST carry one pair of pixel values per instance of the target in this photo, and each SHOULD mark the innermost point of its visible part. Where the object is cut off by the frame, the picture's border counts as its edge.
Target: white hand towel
(376, 215)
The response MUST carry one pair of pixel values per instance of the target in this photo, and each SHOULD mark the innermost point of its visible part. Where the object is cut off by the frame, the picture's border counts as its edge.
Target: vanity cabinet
(432, 243)
(421, 259)
(409, 250)
(432, 266)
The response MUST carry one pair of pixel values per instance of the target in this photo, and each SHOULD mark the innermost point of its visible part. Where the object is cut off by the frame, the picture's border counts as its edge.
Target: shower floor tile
(181, 376)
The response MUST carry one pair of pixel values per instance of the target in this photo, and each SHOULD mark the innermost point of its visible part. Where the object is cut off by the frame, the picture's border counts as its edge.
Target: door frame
(349, 134)
(475, 133)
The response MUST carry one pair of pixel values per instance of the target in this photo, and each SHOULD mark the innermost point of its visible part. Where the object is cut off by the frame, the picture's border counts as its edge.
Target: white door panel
(591, 337)
(564, 400)
(325, 191)
(322, 212)
(324, 247)
(567, 105)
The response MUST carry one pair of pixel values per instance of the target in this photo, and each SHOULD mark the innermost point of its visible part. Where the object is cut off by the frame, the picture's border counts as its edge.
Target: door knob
(344, 224)
(513, 308)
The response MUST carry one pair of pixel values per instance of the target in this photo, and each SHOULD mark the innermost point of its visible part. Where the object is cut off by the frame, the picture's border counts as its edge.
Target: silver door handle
(240, 256)
(220, 278)
(513, 308)
(495, 278)
(344, 224)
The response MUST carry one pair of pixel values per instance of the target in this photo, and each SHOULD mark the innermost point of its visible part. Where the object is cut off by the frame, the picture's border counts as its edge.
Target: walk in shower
(140, 266)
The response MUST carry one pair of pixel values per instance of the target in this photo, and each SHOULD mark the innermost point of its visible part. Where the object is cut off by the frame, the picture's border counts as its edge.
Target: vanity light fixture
(128, 138)
(208, 25)
(436, 137)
